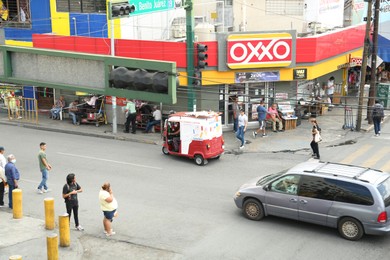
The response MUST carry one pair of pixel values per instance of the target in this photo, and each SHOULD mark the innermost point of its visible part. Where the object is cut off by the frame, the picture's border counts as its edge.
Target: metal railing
(20, 108)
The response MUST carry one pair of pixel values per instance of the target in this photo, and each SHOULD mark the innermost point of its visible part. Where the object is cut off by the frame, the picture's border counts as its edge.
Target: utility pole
(372, 93)
(188, 6)
(364, 66)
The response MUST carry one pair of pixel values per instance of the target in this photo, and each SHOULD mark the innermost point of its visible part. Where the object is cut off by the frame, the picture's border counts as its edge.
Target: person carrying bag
(316, 138)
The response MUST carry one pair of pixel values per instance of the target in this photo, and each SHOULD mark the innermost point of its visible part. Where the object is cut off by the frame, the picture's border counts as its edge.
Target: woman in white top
(109, 206)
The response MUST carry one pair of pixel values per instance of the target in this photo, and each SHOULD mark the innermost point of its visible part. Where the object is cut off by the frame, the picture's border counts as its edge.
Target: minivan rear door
(314, 201)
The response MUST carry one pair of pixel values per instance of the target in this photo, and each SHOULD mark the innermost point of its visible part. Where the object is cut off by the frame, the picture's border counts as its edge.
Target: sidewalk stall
(196, 135)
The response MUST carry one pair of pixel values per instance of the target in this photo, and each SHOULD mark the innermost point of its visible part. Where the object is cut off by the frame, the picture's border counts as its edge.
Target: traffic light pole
(364, 66)
(190, 54)
(114, 122)
(372, 92)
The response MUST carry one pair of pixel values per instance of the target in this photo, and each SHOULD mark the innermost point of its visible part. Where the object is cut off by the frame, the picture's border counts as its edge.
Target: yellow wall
(286, 74)
(59, 21)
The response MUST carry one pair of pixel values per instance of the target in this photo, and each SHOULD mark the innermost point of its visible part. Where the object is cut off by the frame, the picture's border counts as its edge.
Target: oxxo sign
(259, 50)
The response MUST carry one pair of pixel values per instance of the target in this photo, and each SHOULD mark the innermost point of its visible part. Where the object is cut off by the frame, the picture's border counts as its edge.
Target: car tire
(199, 160)
(350, 229)
(253, 209)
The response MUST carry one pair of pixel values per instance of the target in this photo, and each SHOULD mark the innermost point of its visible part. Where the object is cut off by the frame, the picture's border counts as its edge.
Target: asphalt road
(176, 209)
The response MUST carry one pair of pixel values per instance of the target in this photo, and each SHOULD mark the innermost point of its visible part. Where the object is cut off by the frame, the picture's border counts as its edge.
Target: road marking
(112, 161)
(370, 162)
(386, 167)
(349, 159)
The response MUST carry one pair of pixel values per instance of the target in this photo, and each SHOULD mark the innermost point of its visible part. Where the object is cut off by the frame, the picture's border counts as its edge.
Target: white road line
(112, 161)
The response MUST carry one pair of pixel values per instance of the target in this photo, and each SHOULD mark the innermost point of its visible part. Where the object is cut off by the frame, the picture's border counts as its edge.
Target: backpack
(377, 111)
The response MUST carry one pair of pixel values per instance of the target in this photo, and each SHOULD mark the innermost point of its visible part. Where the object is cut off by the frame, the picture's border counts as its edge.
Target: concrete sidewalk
(27, 236)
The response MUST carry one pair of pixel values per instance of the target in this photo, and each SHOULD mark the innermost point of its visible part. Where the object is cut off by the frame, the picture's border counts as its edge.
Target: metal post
(52, 247)
(372, 92)
(364, 66)
(17, 207)
(190, 54)
(49, 213)
(64, 230)
(114, 123)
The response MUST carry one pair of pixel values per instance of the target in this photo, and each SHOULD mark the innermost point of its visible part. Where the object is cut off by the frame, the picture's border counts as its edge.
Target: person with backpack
(377, 116)
(69, 193)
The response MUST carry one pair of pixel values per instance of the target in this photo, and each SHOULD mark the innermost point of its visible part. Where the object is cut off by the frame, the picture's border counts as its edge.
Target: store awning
(383, 48)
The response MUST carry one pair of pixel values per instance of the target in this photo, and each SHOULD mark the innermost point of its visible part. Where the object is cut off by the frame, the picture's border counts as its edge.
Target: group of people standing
(10, 175)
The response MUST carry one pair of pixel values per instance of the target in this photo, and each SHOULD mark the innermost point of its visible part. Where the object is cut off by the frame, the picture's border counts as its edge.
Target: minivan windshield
(268, 178)
(384, 190)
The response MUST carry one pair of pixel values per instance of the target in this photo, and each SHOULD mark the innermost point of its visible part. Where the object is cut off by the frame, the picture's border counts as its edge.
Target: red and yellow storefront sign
(263, 50)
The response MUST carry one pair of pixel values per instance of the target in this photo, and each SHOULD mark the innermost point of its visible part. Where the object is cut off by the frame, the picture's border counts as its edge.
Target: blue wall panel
(41, 22)
(88, 25)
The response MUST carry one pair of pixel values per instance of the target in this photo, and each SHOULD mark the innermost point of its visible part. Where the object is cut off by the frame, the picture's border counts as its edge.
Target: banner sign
(243, 77)
(259, 50)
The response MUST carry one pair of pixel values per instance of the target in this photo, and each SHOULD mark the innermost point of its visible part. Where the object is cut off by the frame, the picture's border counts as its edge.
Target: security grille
(16, 11)
(82, 6)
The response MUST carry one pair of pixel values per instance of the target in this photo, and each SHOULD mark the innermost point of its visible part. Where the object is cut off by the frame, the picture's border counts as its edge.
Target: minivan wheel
(253, 209)
(351, 229)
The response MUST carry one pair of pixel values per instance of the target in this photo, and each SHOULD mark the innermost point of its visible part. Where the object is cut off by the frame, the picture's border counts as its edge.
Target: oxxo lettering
(274, 49)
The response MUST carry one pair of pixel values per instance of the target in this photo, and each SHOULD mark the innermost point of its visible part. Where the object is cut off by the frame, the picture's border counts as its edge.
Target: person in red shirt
(274, 118)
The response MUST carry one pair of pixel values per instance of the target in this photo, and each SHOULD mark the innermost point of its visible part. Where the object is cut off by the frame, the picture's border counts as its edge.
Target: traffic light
(201, 56)
(197, 80)
(120, 9)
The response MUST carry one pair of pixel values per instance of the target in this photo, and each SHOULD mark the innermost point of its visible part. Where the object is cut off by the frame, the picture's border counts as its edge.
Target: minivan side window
(316, 187)
(335, 190)
(384, 190)
(287, 184)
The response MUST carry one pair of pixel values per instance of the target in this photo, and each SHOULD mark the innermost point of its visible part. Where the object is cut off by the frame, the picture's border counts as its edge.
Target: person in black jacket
(69, 193)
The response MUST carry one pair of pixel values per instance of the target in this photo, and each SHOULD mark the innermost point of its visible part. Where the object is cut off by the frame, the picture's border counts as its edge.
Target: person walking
(377, 116)
(109, 206)
(236, 113)
(45, 167)
(12, 174)
(315, 132)
(3, 162)
(69, 193)
(131, 116)
(261, 115)
(242, 125)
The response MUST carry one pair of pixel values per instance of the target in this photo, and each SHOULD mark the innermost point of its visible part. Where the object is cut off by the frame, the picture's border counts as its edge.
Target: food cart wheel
(199, 160)
(165, 150)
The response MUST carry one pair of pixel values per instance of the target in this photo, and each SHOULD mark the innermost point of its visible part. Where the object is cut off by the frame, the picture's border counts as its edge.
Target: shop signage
(243, 77)
(300, 74)
(259, 50)
(355, 62)
(119, 101)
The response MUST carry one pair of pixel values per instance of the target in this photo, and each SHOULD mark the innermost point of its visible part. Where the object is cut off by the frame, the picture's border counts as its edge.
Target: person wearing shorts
(108, 205)
(261, 115)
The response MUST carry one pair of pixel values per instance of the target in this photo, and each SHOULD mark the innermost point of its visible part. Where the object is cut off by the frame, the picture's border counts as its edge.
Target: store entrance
(248, 96)
(45, 97)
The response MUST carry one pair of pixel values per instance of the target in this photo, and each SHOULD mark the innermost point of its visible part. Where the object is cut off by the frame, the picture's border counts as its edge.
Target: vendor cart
(95, 115)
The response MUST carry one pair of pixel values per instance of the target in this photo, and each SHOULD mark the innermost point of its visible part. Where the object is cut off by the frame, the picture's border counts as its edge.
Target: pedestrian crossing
(370, 156)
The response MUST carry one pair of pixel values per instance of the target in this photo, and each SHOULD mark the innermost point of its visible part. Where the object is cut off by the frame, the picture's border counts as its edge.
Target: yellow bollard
(17, 203)
(64, 230)
(15, 257)
(49, 213)
(52, 247)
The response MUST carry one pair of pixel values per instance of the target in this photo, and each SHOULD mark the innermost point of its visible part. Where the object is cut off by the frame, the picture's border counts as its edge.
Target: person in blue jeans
(242, 125)
(45, 167)
(156, 119)
(377, 117)
(74, 112)
(12, 175)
